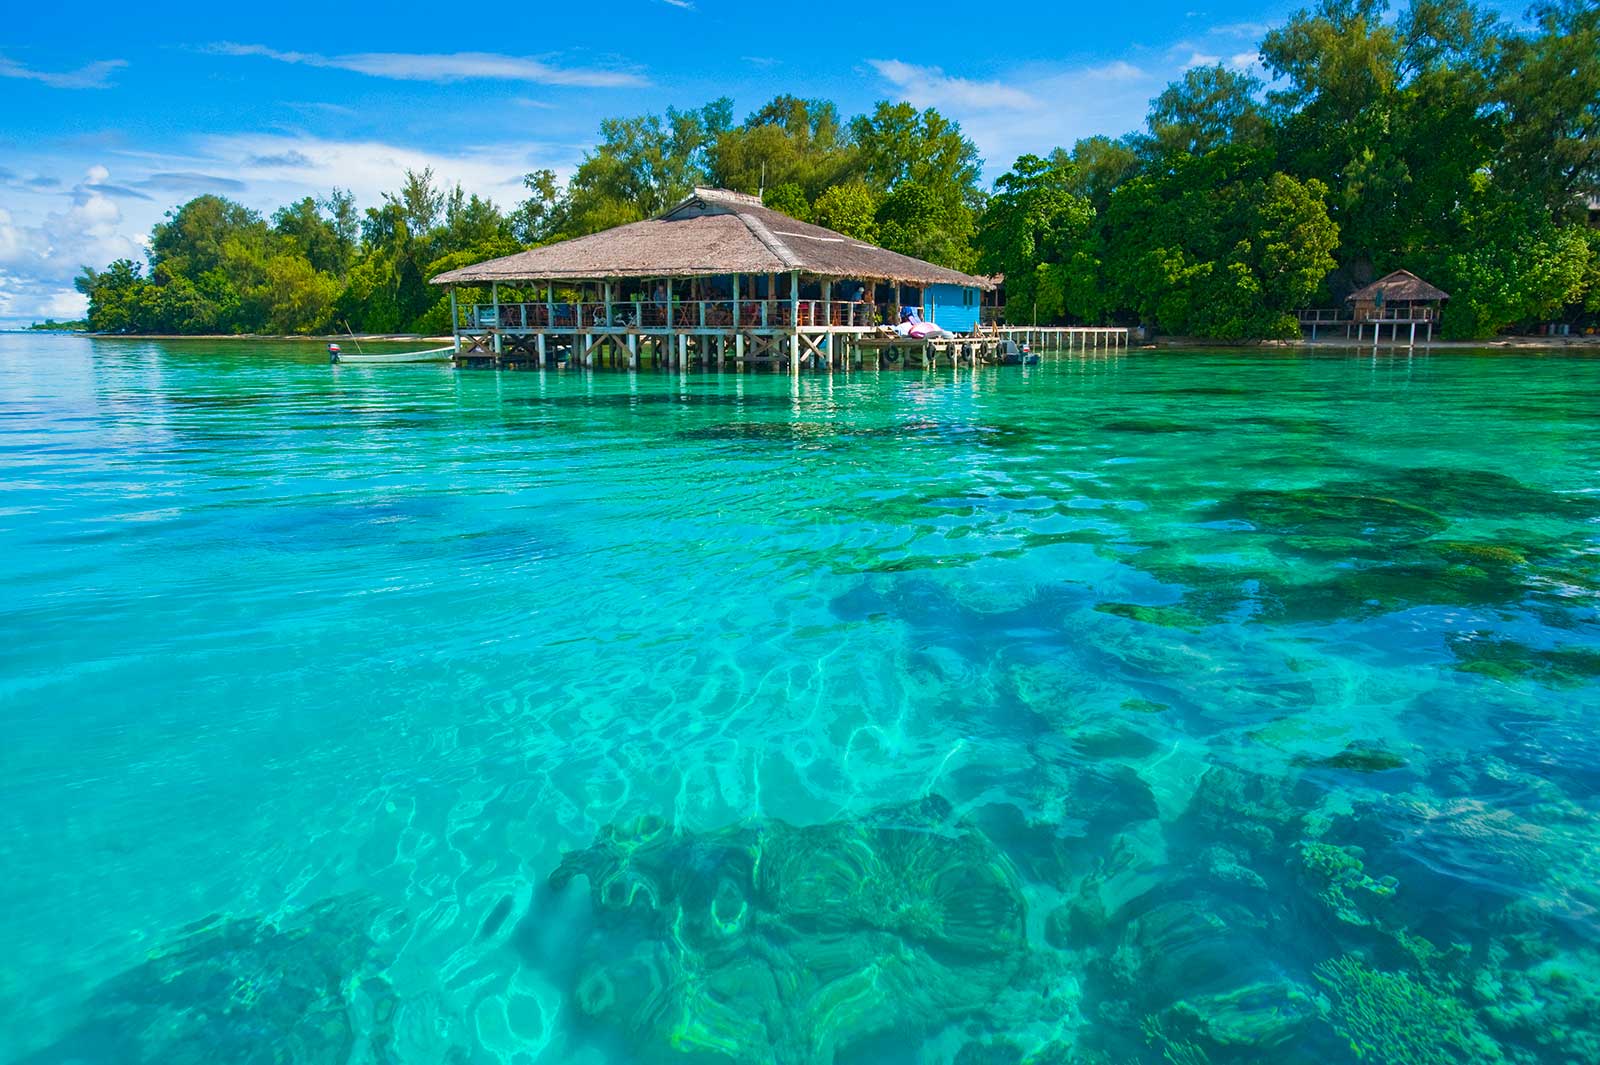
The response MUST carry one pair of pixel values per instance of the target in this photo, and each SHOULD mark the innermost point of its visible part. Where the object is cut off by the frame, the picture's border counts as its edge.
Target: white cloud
(88, 76)
(1201, 59)
(927, 86)
(1039, 109)
(38, 261)
(281, 167)
(445, 67)
(1249, 62)
(687, 5)
(48, 235)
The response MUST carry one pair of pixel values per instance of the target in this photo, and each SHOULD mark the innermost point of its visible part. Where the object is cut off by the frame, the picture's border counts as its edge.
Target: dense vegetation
(1443, 140)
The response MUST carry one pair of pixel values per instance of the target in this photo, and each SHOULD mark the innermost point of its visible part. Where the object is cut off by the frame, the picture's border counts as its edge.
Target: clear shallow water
(1171, 707)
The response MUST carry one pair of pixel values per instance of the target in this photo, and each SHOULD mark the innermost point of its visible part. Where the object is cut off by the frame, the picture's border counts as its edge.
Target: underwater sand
(1170, 707)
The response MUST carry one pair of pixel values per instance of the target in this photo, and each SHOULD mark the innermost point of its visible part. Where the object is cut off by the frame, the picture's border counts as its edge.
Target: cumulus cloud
(365, 167)
(38, 261)
(928, 86)
(89, 76)
(445, 67)
(1038, 109)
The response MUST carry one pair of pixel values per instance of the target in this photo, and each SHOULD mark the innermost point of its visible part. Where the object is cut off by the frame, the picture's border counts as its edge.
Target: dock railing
(675, 315)
(1395, 314)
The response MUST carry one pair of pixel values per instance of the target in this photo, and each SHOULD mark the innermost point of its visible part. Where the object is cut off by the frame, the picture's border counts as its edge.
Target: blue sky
(113, 115)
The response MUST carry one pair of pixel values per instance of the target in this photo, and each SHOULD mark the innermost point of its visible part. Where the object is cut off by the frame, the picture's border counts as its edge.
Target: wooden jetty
(722, 281)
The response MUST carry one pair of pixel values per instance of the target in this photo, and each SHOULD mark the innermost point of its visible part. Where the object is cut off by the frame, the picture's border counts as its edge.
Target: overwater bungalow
(1396, 299)
(718, 277)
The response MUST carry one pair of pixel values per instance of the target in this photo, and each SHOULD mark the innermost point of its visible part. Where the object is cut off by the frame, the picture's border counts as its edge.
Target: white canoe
(431, 355)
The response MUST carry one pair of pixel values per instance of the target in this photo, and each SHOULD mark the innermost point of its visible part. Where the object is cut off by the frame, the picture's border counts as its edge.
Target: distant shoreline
(340, 338)
(1509, 343)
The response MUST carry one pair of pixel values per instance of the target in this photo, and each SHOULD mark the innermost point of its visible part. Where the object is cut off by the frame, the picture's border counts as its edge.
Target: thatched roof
(713, 231)
(1402, 286)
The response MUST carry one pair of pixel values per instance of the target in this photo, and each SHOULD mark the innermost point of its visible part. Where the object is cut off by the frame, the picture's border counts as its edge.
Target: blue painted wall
(951, 306)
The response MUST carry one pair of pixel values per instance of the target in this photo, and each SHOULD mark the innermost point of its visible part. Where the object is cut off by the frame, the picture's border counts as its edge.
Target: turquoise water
(1171, 707)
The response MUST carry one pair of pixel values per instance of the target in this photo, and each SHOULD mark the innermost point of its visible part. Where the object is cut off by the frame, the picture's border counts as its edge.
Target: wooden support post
(494, 293)
(455, 322)
(539, 342)
(633, 351)
(794, 320)
(737, 324)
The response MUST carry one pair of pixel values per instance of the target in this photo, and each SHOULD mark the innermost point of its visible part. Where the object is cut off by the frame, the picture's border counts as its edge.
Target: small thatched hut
(1400, 296)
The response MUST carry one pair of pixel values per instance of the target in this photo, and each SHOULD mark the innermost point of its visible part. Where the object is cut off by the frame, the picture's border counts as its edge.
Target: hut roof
(1402, 286)
(712, 231)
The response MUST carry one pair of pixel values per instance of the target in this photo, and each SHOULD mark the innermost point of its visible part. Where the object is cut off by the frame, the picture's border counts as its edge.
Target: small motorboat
(338, 355)
(1010, 353)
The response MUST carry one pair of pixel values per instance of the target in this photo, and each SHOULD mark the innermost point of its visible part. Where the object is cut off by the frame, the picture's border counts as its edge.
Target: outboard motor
(333, 353)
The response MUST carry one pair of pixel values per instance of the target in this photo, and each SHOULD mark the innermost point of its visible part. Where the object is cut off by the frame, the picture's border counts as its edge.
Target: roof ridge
(777, 247)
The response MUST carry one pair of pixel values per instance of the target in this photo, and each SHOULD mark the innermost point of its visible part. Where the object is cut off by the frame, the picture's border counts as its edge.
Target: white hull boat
(335, 355)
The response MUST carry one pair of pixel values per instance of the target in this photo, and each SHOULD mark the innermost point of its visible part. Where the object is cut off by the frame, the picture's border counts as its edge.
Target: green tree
(1514, 265)
(926, 171)
(1394, 115)
(114, 296)
(643, 165)
(1099, 165)
(788, 199)
(1548, 89)
(896, 143)
(1220, 246)
(789, 141)
(340, 205)
(195, 237)
(420, 201)
(1207, 108)
(914, 221)
(307, 233)
(1031, 226)
(471, 221)
(851, 209)
(538, 219)
(298, 297)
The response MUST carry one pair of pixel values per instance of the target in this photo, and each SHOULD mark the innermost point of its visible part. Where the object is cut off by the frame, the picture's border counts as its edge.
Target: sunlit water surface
(1166, 707)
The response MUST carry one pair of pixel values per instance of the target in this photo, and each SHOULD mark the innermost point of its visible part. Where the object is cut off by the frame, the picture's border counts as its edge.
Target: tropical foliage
(1440, 138)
